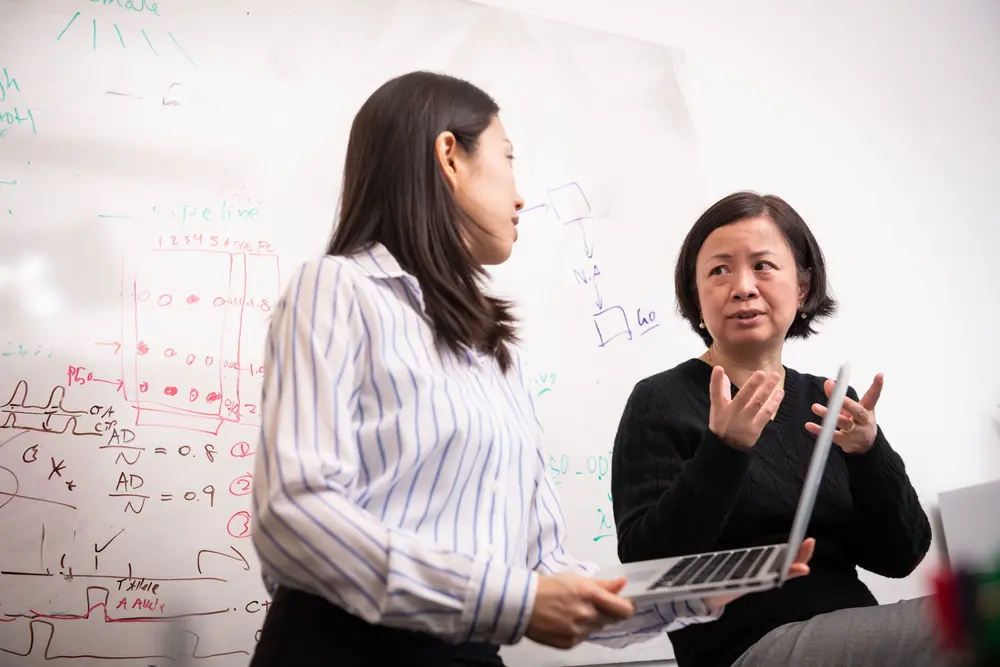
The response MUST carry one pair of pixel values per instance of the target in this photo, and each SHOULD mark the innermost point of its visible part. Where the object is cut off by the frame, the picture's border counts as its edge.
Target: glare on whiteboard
(30, 270)
(28, 278)
(41, 301)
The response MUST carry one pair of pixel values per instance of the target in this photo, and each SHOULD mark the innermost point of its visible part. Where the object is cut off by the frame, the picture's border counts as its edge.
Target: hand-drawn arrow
(117, 345)
(588, 248)
(119, 383)
(537, 207)
(238, 557)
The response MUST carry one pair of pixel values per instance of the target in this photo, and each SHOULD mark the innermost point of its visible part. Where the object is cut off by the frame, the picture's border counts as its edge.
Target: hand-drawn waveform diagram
(193, 331)
(51, 417)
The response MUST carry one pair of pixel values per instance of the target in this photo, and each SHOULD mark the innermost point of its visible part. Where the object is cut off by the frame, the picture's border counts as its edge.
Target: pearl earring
(802, 316)
(701, 324)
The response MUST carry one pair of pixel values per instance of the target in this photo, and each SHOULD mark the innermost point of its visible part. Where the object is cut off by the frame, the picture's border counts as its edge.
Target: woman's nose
(745, 286)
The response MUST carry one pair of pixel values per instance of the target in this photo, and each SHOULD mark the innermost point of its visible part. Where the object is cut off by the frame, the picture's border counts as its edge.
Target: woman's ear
(446, 150)
(805, 282)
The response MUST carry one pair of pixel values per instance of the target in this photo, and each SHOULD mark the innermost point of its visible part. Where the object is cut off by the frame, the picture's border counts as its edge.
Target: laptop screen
(814, 476)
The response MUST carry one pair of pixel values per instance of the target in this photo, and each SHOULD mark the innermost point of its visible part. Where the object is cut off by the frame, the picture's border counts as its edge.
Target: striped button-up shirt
(401, 481)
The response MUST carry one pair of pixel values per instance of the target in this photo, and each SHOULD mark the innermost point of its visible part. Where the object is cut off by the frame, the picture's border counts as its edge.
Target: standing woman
(712, 454)
(402, 513)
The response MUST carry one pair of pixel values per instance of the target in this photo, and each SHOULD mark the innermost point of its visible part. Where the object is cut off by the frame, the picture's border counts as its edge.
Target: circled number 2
(241, 485)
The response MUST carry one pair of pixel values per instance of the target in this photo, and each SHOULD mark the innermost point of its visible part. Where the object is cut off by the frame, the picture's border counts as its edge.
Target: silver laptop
(962, 527)
(739, 570)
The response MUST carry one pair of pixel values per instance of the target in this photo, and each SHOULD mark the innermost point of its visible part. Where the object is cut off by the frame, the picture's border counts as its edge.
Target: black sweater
(678, 489)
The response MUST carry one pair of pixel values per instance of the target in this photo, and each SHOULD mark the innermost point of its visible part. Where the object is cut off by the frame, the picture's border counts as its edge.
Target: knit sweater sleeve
(891, 531)
(672, 488)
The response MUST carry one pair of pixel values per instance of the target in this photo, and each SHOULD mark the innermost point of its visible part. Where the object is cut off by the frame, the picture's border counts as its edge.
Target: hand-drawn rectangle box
(569, 202)
(611, 323)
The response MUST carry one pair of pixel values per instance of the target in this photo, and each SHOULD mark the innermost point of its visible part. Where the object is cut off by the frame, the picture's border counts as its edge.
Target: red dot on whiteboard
(192, 299)
(170, 391)
(142, 348)
(212, 397)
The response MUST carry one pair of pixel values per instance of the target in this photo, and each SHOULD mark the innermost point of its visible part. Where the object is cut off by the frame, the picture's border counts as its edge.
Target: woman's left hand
(856, 427)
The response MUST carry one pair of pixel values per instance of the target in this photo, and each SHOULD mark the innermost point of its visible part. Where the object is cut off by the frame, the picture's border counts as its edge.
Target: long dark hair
(395, 193)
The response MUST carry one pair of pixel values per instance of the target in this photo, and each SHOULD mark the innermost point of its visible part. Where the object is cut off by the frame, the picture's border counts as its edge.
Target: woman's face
(748, 284)
(484, 187)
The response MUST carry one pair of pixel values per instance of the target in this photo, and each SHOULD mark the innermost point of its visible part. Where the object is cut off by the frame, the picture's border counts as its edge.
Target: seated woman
(699, 466)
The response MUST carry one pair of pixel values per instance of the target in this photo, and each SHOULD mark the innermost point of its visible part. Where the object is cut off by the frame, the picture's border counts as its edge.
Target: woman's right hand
(569, 608)
(739, 420)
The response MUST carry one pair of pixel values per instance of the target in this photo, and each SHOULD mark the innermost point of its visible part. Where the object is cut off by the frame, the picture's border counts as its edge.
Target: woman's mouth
(748, 317)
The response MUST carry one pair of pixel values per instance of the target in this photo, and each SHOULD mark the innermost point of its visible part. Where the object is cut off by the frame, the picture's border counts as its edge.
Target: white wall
(878, 122)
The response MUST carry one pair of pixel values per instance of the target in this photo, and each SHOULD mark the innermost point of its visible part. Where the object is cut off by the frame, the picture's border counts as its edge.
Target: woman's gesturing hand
(739, 420)
(856, 425)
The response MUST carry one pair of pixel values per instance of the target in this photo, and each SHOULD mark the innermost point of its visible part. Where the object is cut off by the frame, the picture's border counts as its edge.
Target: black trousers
(303, 630)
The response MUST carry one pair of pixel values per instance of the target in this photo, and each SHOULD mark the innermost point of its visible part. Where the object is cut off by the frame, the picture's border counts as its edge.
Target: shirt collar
(378, 262)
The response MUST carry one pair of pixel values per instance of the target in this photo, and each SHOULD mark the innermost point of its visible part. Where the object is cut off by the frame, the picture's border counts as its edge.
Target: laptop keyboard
(721, 567)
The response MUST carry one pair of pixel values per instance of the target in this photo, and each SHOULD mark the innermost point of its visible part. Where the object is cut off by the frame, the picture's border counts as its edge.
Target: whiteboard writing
(543, 383)
(195, 214)
(133, 5)
(7, 83)
(220, 287)
(593, 470)
(139, 419)
(200, 240)
(149, 227)
(14, 119)
(22, 351)
(105, 31)
(569, 205)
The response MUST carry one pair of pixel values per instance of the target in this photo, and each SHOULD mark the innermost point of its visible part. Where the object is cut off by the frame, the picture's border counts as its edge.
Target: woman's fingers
(844, 420)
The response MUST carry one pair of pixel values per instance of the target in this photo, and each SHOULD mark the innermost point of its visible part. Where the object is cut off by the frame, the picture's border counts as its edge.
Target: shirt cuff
(500, 603)
(681, 613)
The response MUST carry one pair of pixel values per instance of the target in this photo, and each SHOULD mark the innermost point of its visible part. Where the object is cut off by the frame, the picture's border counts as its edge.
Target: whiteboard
(163, 167)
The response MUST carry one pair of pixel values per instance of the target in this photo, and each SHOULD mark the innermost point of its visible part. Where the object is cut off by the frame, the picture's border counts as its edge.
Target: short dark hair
(395, 193)
(808, 258)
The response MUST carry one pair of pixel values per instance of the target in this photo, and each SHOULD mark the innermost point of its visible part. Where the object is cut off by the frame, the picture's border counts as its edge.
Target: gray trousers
(891, 635)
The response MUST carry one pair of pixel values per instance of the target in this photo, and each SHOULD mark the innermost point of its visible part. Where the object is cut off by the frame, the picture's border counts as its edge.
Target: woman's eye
(763, 266)
(719, 270)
